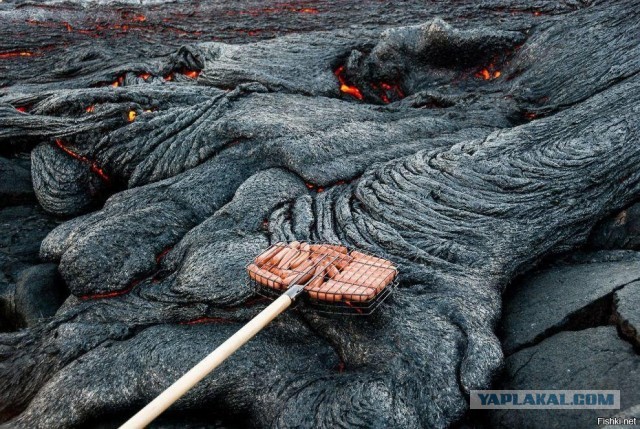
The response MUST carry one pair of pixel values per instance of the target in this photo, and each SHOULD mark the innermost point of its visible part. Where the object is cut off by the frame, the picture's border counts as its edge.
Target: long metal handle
(163, 401)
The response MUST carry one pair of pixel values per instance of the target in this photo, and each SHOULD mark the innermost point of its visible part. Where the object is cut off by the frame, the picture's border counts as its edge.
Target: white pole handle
(163, 401)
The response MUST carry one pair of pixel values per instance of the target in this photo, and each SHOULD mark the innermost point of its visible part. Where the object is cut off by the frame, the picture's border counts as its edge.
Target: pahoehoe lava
(463, 150)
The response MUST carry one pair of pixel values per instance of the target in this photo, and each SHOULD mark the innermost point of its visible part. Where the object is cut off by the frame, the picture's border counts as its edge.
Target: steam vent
(489, 151)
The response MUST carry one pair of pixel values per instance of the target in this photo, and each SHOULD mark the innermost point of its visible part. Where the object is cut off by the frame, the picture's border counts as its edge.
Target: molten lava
(118, 82)
(90, 109)
(193, 74)
(131, 116)
(386, 90)
(144, 76)
(345, 88)
(315, 188)
(92, 165)
(111, 294)
(488, 73)
(14, 54)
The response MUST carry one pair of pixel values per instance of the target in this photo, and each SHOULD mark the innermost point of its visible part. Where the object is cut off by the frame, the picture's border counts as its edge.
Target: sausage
(303, 273)
(299, 278)
(304, 266)
(330, 247)
(333, 291)
(275, 260)
(289, 256)
(280, 272)
(265, 256)
(372, 260)
(303, 256)
(264, 277)
(332, 271)
(360, 294)
(326, 250)
(343, 262)
(338, 248)
(294, 244)
(314, 287)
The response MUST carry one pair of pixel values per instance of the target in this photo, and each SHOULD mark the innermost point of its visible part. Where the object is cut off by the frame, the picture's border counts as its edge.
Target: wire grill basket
(335, 279)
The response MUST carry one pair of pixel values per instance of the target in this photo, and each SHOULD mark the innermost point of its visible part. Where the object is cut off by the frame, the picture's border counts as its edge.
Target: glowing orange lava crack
(92, 165)
(346, 88)
(15, 54)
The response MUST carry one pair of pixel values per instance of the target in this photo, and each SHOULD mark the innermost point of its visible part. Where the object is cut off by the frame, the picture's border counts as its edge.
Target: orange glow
(21, 109)
(92, 165)
(387, 89)
(313, 187)
(484, 74)
(169, 77)
(90, 109)
(193, 74)
(530, 115)
(488, 73)
(14, 54)
(351, 90)
(537, 13)
(132, 115)
(111, 294)
(311, 10)
(144, 76)
(106, 294)
(118, 82)
(346, 88)
(139, 18)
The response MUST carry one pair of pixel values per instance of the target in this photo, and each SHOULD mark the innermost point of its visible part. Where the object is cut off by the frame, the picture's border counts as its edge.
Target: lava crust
(462, 152)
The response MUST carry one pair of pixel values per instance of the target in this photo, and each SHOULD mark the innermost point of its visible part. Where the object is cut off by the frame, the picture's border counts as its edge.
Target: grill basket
(336, 280)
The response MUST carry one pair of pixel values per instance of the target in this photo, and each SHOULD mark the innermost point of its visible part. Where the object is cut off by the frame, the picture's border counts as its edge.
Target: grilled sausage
(264, 277)
(332, 271)
(303, 256)
(289, 256)
(266, 256)
(275, 260)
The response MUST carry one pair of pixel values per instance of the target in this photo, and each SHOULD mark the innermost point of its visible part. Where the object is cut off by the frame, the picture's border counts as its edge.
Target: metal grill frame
(342, 307)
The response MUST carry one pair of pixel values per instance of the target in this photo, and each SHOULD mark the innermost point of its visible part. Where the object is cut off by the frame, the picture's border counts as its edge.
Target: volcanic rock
(566, 297)
(590, 359)
(465, 151)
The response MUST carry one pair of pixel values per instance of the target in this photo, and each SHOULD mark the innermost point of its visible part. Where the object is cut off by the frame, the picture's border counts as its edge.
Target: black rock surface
(572, 326)
(590, 359)
(465, 150)
(567, 297)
